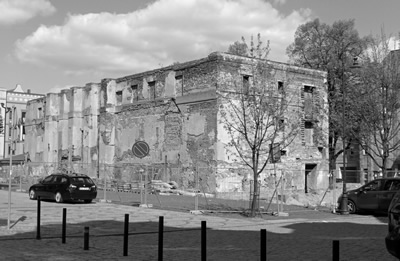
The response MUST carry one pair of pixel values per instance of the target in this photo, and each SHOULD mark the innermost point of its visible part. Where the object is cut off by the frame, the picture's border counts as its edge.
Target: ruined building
(175, 110)
(12, 119)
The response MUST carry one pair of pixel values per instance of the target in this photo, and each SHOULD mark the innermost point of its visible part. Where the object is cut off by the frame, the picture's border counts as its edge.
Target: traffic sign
(140, 149)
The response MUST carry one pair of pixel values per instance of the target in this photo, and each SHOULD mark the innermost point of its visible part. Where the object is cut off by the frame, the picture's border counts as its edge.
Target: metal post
(146, 180)
(10, 110)
(64, 225)
(196, 198)
(165, 168)
(126, 230)
(344, 210)
(9, 189)
(105, 187)
(263, 246)
(282, 192)
(38, 219)
(196, 202)
(86, 239)
(203, 241)
(334, 191)
(277, 196)
(335, 250)
(141, 187)
(160, 238)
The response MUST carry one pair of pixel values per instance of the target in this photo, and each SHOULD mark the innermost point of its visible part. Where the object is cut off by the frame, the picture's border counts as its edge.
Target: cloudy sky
(48, 45)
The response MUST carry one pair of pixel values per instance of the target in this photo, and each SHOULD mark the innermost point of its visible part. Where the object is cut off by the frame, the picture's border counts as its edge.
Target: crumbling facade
(12, 119)
(175, 110)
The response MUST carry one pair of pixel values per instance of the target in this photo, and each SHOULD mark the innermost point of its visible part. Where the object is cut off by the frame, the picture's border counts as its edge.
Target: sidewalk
(288, 238)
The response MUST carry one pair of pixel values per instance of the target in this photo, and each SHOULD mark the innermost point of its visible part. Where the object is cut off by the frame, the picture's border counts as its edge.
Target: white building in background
(12, 119)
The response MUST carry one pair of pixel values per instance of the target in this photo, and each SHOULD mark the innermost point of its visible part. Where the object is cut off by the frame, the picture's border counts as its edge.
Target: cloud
(164, 32)
(19, 11)
(279, 2)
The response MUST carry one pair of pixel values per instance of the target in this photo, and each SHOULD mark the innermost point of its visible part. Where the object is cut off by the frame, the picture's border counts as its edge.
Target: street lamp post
(343, 204)
(9, 110)
(344, 207)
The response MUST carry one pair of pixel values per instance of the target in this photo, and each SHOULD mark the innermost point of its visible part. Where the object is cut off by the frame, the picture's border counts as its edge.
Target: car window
(374, 185)
(64, 180)
(392, 185)
(57, 179)
(48, 179)
(81, 181)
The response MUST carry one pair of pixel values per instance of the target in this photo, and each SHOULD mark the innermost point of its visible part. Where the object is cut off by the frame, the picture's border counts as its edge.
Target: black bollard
(86, 239)
(126, 230)
(160, 238)
(38, 219)
(335, 250)
(263, 246)
(203, 241)
(64, 225)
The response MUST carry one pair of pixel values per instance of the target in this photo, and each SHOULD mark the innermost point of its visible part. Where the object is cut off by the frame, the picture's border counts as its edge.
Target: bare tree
(377, 92)
(255, 114)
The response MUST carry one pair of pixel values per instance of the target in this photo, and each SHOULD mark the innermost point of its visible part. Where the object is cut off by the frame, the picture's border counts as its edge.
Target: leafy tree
(331, 48)
(255, 114)
(256, 49)
(378, 91)
(238, 48)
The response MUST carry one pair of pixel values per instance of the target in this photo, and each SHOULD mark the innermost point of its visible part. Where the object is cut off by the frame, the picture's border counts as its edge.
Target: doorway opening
(307, 178)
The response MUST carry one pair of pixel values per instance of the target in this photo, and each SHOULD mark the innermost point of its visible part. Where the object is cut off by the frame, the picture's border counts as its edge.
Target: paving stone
(301, 236)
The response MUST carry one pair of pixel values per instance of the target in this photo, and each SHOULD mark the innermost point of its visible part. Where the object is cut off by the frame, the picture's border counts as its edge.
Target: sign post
(141, 149)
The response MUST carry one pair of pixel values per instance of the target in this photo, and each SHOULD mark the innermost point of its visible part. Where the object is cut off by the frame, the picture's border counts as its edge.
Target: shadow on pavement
(299, 241)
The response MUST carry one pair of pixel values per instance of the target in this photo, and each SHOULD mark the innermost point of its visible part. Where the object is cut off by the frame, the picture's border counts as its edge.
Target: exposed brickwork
(175, 110)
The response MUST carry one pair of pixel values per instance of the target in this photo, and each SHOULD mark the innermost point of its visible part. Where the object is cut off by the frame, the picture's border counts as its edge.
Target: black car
(61, 187)
(374, 196)
(393, 237)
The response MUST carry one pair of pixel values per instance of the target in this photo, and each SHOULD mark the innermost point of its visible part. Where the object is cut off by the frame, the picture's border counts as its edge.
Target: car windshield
(81, 181)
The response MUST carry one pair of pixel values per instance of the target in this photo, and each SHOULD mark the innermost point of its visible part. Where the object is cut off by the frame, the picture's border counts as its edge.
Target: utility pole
(343, 208)
(11, 129)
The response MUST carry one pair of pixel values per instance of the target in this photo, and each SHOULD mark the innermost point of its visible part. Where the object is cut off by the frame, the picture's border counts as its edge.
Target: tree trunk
(254, 205)
(384, 162)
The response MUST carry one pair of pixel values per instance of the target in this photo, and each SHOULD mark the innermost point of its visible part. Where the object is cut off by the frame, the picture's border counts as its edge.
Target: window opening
(39, 113)
(135, 93)
(246, 84)
(152, 88)
(275, 152)
(119, 97)
(308, 132)
(280, 87)
(179, 84)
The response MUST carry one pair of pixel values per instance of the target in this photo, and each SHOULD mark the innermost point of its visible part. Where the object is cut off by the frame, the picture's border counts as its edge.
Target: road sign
(140, 149)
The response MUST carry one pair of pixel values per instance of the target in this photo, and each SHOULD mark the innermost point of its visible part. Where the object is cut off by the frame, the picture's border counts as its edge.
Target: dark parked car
(393, 237)
(374, 196)
(62, 187)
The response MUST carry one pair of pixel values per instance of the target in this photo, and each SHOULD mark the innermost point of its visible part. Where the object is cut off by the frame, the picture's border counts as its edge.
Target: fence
(207, 187)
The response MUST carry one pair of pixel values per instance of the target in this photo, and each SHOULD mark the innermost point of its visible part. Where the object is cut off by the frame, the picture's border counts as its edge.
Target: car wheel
(59, 198)
(88, 200)
(351, 207)
(32, 194)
